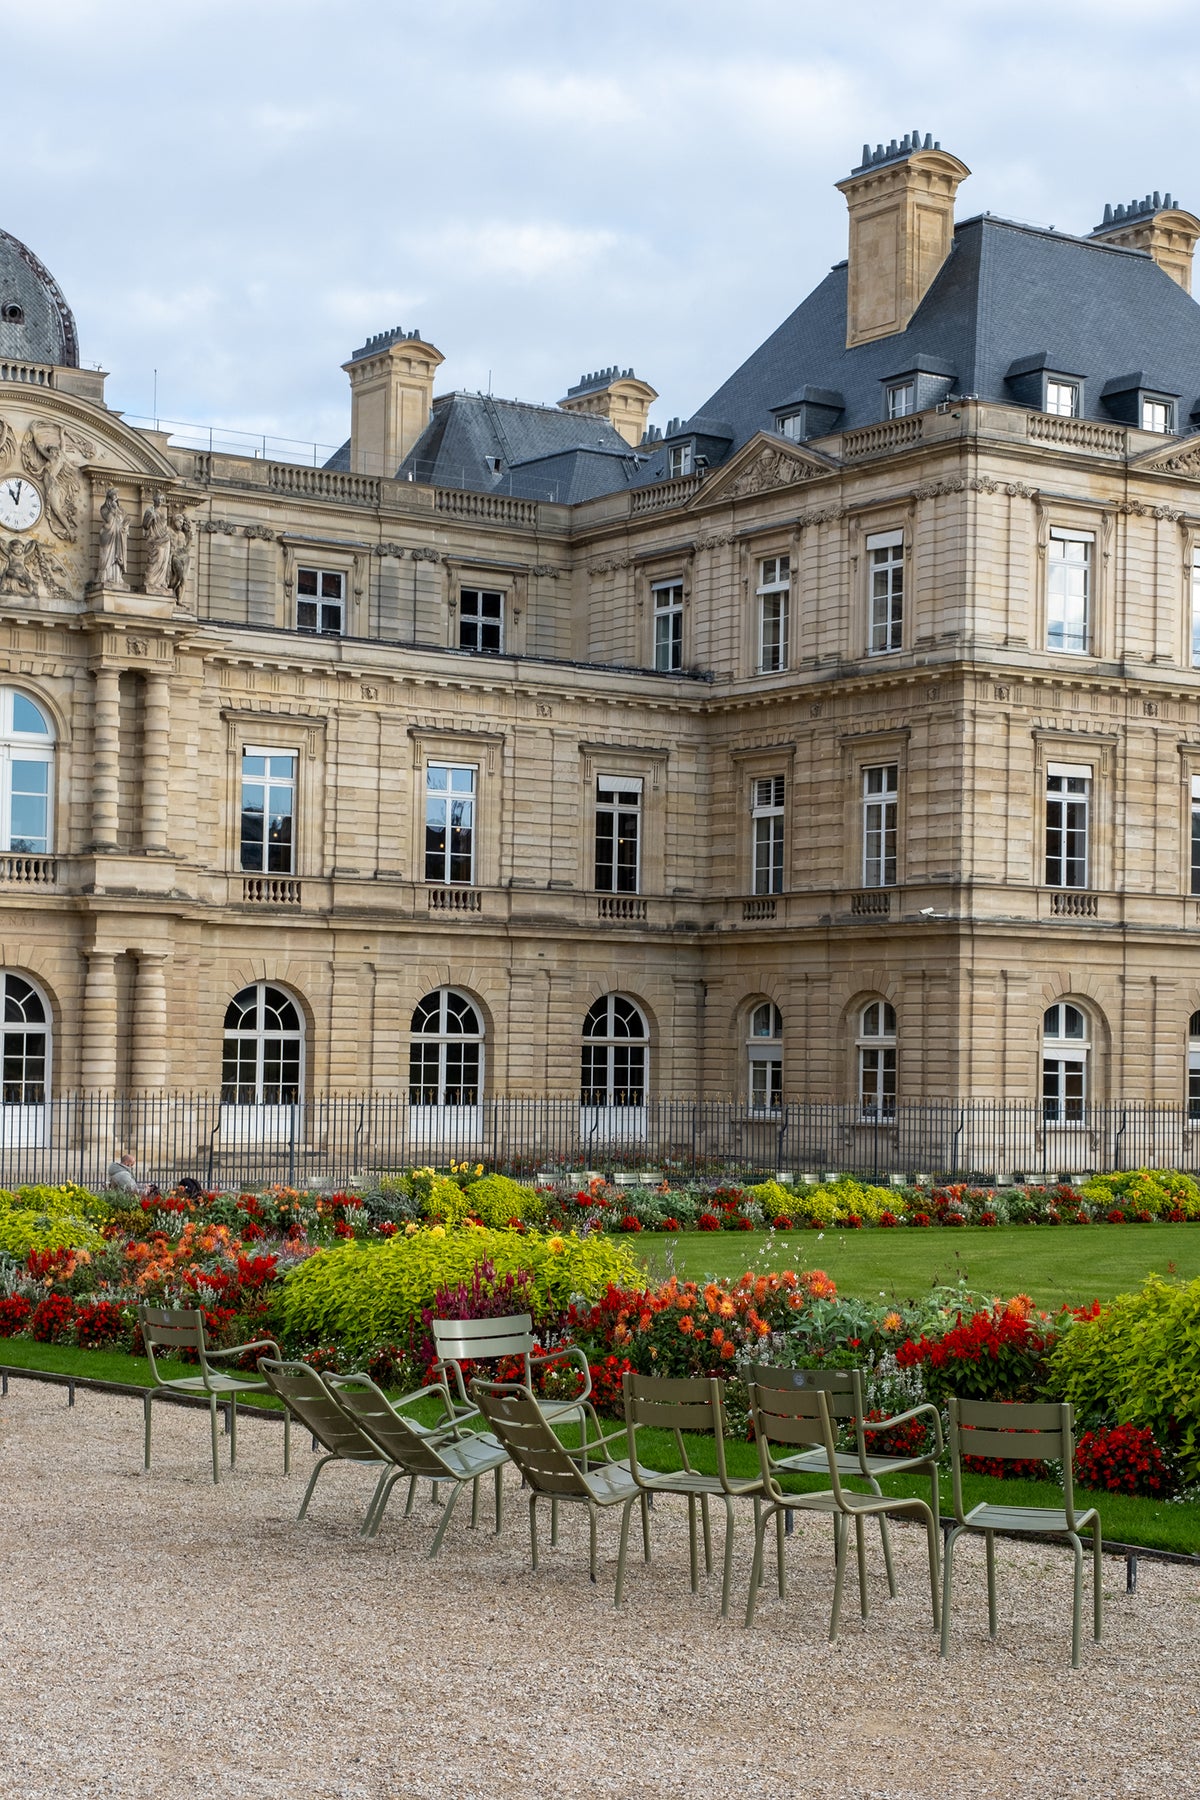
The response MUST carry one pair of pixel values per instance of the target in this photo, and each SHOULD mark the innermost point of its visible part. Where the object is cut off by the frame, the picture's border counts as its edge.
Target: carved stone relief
(8, 443)
(770, 469)
(29, 569)
(46, 452)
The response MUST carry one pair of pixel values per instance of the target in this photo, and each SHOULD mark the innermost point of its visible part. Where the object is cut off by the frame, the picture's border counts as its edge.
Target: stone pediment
(761, 466)
(1173, 459)
(89, 434)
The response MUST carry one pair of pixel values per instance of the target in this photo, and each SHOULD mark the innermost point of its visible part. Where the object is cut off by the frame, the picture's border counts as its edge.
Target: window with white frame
(877, 1061)
(668, 624)
(1069, 590)
(1062, 398)
(765, 1053)
(1193, 1069)
(1157, 414)
(1065, 1048)
(774, 599)
(901, 399)
(885, 565)
(1068, 800)
(615, 1054)
(880, 801)
(1195, 860)
(263, 1048)
(679, 460)
(26, 775)
(26, 1050)
(480, 619)
(618, 833)
(766, 815)
(321, 601)
(268, 829)
(792, 426)
(450, 822)
(445, 1057)
(1196, 609)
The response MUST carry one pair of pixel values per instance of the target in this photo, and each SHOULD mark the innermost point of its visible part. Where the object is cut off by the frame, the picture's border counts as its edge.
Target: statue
(181, 553)
(18, 570)
(44, 455)
(156, 533)
(114, 542)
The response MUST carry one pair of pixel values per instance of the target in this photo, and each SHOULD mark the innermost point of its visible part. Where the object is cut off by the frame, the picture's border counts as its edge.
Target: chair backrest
(482, 1340)
(798, 1417)
(172, 1328)
(843, 1388)
(518, 1422)
(1040, 1432)
(304, 1393)
(675, 1404)
(401, 1440)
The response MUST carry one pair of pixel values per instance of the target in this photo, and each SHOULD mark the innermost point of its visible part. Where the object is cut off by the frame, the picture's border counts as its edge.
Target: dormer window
(792, 426)
(1132, 400)
(901, 399)
(1158, 414)
(1062, 399)
(679, 460)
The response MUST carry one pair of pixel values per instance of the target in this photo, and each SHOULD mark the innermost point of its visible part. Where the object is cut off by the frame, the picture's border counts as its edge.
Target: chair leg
(233, 1431)
(860, 1549)
(147, 1400)
(841, 1533)
(287, 1443)
(885, 1538)
(451, 1503)
(693, 1554)
(533, 1530)
(412, 1495)
(1076, 1598)
(553, 1523)
(727, 1566)
(705, 1521)
(499, 1480)
(645, 1527)
(383, 1493)
(947, 1576)
(780, 1558)
(626, 1515)
(1097, 1583)
(760, 1532)
(475, 1504)
(308, 1492)
(990, 1544)
(932, 1534)
(212, 1413)
(592, 1542)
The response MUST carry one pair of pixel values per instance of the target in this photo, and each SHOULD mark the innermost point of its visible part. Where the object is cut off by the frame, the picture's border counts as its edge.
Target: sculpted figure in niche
(114, 542)
(44, 455)
(156, 534)
(8, 443)
(181, 554)
(18, 571)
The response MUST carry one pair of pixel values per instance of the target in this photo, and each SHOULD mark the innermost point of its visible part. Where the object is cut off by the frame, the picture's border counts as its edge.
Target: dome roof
(36, 324)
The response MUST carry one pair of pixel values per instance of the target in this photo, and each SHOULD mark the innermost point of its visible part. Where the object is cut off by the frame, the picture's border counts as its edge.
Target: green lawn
(1052, 1264)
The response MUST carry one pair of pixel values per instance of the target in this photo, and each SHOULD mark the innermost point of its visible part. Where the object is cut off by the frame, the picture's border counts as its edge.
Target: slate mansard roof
(36, 324)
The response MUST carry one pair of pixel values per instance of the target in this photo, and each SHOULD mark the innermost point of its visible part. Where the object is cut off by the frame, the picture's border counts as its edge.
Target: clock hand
(14, 493)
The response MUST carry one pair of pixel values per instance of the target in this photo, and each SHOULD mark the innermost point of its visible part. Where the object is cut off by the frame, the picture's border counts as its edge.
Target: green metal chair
(182, 1328)
(657, 1403)
(441, 1453)
(459, 1341)
(1044, 1432)
(845, 1390)
(308, 1400)
(551, 1471)
(802, 1416)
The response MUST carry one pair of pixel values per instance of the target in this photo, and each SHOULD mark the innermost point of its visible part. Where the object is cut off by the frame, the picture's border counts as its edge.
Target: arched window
(263, 1052)
(877, 1061)
(26, 1043)
(765, 1052)
(1065, 1046)
(1193, 1067)
(26, 775)
(445, 1061)
(613, 1068)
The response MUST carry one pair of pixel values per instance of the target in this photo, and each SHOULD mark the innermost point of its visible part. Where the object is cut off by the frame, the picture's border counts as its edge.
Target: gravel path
(161, 1636)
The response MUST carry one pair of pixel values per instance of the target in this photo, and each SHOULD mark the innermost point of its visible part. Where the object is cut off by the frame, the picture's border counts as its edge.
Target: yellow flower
(555, 1245)
(411, 1229)
(437, 1231)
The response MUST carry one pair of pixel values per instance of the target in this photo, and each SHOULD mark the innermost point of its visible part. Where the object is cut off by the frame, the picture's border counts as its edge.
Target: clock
(20, 503)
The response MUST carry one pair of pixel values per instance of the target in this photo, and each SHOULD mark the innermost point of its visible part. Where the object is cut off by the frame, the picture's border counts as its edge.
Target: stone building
(841, 742)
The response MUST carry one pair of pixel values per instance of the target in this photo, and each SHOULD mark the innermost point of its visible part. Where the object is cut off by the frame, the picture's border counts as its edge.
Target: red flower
(708, 1222)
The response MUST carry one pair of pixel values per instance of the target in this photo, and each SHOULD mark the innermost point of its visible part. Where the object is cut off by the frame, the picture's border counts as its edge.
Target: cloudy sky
(234, 193)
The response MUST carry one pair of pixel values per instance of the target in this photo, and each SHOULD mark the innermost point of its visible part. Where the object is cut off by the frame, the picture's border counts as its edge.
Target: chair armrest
(241, 1349)
(441, 1368)
(569, 1352)
(586, 1447)
(914, 1412)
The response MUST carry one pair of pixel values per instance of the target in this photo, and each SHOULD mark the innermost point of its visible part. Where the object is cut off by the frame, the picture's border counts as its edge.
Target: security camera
(928, 912)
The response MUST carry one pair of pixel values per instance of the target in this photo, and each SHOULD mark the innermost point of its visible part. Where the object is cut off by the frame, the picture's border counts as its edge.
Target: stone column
(156, 752)
(148, 1071)
(106, 750)
(99, 1060)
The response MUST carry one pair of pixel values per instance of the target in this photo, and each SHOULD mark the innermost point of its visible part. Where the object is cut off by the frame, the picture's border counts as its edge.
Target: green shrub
(66, 1201)
(497, 1200)
(359, 1294)
(442, 1200)
(829, 1205)
(1155, 1191)
(1137, 1362)
(23, 1230)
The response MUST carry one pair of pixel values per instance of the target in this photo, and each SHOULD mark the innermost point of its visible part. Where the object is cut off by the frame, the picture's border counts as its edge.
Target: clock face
(20, 503)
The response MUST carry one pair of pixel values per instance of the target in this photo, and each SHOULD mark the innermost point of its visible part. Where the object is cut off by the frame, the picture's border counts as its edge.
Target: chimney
(901, 201)
(1155, 224)
(391, 395)
(616, 395)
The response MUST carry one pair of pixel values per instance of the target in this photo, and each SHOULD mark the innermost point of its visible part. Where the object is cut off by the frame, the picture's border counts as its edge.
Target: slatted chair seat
(691, 1405)
(443, 1453)
(182, 1328)
(1042, 1432)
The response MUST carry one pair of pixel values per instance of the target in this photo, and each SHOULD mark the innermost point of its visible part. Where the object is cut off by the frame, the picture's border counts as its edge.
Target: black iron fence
(341, 1137)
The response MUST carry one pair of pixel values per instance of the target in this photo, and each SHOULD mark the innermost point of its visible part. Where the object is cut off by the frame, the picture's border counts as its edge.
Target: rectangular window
(679, 460)
(269, 811)
(1196, 609)
(774, 594)
(480, 620)
(1062, 399)
(320, 601)
(793, 427)
(668, 625)
(1196, 834)
(880, 788)
(1069, 591)
(901, 399)
(1158, 415)
(450, 822)
(1068, 792)
(766, 1081)
(766, 812)
(885, 560)
(877, 1084)
(28, 802)
(618, 832)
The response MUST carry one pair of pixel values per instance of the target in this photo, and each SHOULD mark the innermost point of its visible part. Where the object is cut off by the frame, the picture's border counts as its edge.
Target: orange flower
(687, 1325)
(645, 1321)
(727, 1309)
(727, 1350)
(892, 1321)
(718, 1336)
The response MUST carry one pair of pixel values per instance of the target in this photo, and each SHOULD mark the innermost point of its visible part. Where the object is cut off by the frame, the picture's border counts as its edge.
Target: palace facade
(840, 742)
